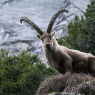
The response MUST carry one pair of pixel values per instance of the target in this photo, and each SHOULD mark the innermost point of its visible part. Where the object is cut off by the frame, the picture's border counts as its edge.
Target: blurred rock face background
(15, 36)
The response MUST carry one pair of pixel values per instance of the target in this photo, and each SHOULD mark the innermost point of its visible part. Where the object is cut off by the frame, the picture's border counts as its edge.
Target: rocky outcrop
(71, 83)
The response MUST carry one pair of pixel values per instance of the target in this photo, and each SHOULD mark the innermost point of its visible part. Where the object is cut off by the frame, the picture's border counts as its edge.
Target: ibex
(59, 57)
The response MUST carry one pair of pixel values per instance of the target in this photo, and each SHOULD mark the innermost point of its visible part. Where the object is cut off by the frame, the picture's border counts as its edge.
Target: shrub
(21, 74)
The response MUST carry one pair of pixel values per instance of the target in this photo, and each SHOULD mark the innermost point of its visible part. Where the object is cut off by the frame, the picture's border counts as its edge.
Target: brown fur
(68, 60)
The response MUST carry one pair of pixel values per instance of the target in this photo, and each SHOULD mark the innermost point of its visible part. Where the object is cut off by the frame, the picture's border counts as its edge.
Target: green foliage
(21, 74)
(78, 37)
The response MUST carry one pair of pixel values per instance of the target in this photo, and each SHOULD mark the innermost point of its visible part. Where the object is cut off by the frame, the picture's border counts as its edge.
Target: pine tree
(79, 37)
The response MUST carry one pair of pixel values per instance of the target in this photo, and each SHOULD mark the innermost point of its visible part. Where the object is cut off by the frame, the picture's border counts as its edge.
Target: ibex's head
(46, 37)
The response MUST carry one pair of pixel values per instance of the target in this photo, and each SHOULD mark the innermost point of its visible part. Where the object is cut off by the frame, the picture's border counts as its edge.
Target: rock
(72, 83)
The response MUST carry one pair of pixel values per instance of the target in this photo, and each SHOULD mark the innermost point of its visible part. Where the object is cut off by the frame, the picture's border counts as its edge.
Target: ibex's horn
(32, 24)
(54, 18)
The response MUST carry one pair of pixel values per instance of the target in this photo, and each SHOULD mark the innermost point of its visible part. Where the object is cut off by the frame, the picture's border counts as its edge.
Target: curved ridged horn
(54, 18)
(32, 24)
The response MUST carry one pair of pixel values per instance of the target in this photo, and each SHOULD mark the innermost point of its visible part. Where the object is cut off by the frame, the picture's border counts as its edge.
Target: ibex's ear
(52, 34)
(38, 36)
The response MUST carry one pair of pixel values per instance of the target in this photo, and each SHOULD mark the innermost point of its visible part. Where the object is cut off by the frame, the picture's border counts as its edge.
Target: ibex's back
(60, 57)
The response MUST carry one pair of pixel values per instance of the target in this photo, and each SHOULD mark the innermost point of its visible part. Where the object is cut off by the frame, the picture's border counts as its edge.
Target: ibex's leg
(91, 64)
(49, 63)
(68, 66)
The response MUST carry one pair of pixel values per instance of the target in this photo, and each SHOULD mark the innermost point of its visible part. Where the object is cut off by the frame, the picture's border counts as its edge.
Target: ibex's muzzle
(48, 47)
